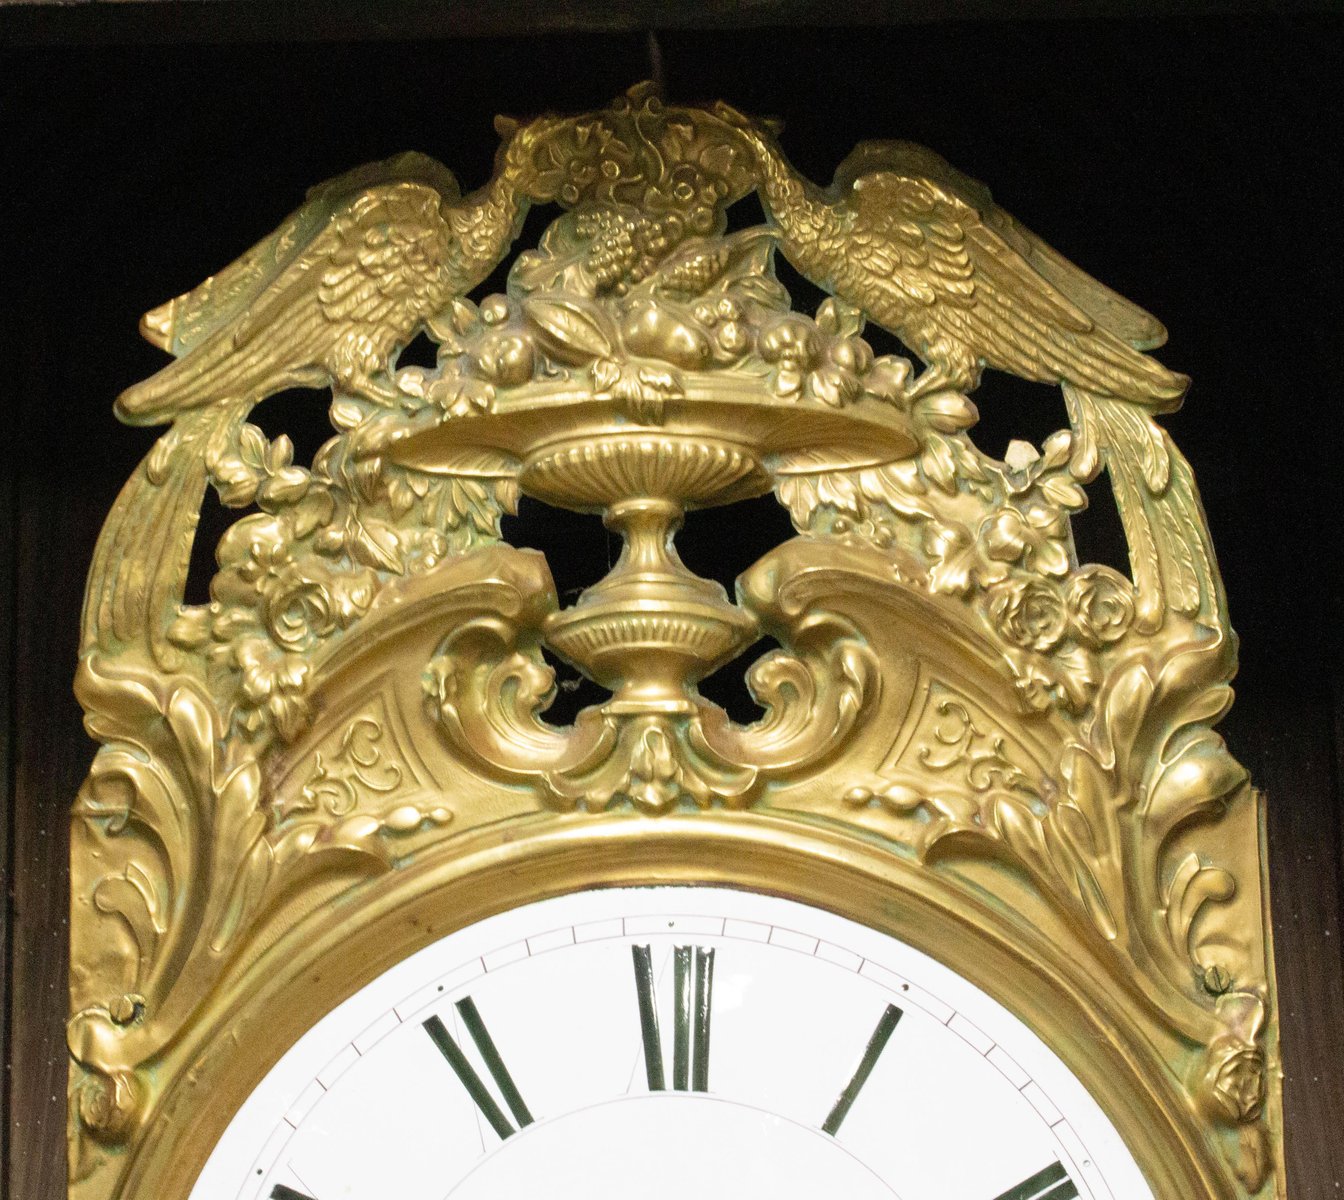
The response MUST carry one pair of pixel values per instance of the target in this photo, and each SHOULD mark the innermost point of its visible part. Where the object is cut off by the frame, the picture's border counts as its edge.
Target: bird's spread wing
(1107, 308)
(1110, 310)
(186, 320)
(976, 286)
(374, 261)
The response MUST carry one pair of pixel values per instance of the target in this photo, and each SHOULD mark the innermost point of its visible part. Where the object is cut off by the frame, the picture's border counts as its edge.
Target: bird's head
(870, 160)
(410, 166)
(521, 142)
(760, 131)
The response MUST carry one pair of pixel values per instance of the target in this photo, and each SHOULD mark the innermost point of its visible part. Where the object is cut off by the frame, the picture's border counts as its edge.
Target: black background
(1191, 163)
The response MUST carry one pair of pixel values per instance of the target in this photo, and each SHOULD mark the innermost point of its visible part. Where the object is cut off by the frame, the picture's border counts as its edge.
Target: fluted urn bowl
(651, 629)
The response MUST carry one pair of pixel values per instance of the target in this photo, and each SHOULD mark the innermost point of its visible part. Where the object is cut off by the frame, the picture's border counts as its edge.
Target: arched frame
(317, 963)
(970, 740)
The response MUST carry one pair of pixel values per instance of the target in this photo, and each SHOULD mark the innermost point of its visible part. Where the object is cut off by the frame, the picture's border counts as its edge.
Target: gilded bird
(370, 258)
(925, 253)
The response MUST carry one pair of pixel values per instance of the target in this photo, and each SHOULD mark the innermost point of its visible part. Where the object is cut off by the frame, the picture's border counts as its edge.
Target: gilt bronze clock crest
(352, 918)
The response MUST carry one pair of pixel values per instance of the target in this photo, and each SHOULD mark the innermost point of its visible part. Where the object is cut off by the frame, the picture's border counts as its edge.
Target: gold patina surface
(970, 740)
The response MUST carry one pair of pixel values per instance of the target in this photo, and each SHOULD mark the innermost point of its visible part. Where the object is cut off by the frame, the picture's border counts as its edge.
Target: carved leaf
(1063, 492)
(1192, 886)
(1199, 774)
(939, 464)
(374, 543)
(573, 331)
(131, 896)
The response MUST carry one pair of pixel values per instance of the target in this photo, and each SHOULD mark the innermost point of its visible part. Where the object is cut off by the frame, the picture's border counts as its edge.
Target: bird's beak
(727, 113)
(156, 326)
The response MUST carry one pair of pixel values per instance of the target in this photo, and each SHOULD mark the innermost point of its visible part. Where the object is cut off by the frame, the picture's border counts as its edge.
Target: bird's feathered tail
(1159, 507)
(140, 564)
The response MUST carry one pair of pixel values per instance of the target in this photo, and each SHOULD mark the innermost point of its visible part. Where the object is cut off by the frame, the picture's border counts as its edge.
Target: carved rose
(1028, 613)
(1234, 1081)
(298, 611)
(1101, 605)
(107, 1104)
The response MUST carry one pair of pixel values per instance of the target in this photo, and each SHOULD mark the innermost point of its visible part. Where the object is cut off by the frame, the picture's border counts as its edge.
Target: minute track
(799, 1019)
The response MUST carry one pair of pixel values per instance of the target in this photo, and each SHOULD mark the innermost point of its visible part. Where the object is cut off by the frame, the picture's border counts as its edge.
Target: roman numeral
(1053, 1183)
(465, 1072)
(886, 1026)
(280, 1192)
(692, 987)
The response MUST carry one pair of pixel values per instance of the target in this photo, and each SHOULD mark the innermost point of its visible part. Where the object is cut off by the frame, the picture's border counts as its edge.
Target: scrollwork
(185, 859)
(643, 360)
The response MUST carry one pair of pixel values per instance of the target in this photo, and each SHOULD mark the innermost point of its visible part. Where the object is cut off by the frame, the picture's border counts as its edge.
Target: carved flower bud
(495, 309)
(1233, 1085)
(887, 379)
(834, 386)
(1028, 612)
(946, 412)
(1049, 520)
(1004, 536)
(791, 340)
(852, 354)
(506, 359)
(1101, 605)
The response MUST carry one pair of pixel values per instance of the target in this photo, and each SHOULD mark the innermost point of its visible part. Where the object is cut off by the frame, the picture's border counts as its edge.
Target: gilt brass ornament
(968, 737)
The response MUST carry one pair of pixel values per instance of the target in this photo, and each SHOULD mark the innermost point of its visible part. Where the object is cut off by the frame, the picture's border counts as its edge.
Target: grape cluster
(694, 273)
(626, 247)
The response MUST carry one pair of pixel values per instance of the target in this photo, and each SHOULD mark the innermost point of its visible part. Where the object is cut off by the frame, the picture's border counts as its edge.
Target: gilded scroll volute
(366, 686)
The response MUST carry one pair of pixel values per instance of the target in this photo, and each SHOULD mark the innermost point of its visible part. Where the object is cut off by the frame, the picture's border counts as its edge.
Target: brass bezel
(321, 960)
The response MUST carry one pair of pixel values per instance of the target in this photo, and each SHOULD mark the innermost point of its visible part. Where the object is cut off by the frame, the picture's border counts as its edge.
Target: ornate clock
(974, 911)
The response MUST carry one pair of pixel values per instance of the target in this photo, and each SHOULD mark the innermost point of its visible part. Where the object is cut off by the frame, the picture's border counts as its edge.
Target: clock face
(652, 1043)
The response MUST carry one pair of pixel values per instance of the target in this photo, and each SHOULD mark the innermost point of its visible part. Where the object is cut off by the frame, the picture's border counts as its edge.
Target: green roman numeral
(692, 987)
(476, 1089)
(886, 1026)
(1053, 1183)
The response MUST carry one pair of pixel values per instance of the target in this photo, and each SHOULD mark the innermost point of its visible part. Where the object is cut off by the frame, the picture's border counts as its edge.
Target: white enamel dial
(652, 1043)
